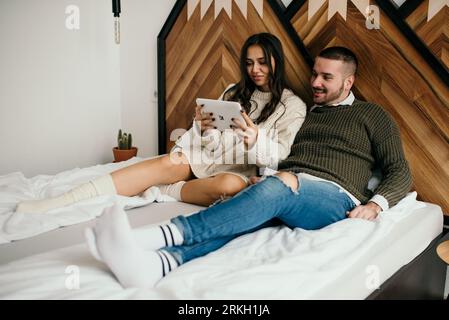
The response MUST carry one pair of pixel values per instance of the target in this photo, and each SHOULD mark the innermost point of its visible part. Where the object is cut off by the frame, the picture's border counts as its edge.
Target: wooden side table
(443, 251)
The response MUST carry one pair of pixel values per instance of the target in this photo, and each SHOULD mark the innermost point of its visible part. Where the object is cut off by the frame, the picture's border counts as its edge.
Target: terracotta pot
(123, 155)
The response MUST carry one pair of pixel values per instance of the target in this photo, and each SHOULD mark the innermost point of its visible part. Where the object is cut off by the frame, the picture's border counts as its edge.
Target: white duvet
(273, 263)
(15, 187)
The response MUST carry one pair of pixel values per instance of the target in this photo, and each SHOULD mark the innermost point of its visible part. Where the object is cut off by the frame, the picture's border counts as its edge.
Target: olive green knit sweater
(345, 144)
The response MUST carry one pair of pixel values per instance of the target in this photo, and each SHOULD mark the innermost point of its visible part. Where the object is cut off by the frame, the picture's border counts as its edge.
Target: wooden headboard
(403, 65)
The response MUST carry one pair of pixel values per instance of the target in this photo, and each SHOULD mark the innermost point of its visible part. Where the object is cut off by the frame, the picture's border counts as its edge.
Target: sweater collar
(346, 102)
(261, 96)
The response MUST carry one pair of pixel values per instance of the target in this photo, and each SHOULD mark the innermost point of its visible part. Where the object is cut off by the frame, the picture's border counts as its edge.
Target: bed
(393, 257)
(45, 257)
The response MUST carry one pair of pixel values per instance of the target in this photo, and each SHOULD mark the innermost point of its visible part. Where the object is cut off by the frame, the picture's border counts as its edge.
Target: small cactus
(124, 140)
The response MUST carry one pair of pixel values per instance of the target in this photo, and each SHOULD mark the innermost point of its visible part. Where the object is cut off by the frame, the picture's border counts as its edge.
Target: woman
(271, 110)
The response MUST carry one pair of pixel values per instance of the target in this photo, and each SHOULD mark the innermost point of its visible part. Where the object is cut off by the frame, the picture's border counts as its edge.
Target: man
(324, 180)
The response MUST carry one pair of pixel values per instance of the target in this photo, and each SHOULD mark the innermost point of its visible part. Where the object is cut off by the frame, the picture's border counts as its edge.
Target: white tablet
(223, 112)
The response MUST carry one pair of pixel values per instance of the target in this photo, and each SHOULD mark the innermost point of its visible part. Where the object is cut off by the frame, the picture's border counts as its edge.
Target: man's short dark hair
(341, 54)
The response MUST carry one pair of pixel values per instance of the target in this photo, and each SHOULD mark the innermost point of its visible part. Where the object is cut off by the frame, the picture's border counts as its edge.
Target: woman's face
(257, 67)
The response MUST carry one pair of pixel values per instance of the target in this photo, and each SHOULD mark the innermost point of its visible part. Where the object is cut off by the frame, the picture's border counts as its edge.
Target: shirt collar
(348, 101)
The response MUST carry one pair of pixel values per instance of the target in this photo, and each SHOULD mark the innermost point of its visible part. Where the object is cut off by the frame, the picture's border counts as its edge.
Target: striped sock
(156, 237)
(112, 241)
(169, 263)
(149, 238)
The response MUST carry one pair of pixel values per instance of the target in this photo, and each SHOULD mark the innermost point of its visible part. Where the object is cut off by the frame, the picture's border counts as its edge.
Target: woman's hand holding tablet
(247, 130)
(222, 115)
(218, 114)
(205, 120)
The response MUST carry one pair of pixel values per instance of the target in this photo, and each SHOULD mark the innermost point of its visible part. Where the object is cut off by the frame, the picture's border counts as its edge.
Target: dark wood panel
(434, 32)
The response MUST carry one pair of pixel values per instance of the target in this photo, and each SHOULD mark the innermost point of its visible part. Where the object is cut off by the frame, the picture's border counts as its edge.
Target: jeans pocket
(348, 201)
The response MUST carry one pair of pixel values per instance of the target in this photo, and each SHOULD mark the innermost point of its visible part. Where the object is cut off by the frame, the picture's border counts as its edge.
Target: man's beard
(332, 97)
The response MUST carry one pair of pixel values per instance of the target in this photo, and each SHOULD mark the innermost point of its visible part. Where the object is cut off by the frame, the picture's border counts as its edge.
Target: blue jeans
(315, 205)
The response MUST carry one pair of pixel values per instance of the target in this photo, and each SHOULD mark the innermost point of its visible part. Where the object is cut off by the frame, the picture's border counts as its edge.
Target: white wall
(141, 22)
(64, 94)
(59, 89)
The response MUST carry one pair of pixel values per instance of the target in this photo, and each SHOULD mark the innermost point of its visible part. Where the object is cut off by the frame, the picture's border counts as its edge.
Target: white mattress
(275, 263)
(400, 246)
(74, 234)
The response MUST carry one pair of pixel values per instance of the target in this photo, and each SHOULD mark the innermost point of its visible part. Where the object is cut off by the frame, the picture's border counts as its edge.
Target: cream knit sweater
(216, 152)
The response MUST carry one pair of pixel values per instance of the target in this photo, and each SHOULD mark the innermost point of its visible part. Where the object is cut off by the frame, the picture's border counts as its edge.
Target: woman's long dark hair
(243, 90)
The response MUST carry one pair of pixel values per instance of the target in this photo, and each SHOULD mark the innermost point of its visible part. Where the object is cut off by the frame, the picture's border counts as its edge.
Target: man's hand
(369, 211)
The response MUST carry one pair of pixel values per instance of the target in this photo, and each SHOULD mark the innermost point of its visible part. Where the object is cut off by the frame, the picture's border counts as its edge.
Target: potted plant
(124, 149)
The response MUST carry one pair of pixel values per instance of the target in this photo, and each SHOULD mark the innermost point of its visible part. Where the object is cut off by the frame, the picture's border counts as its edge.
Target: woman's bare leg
(128, 181)
(208, 190)
(138, 177)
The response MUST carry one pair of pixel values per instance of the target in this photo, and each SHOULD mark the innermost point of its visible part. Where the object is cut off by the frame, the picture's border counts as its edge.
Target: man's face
(330, 81)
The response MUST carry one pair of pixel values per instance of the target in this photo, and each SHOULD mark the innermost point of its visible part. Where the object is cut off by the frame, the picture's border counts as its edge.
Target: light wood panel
(202, 58)
(393, 74)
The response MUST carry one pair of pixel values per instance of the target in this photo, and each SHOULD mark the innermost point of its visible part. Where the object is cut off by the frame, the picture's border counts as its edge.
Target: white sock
(156, 237)
(98, 187)
(169, 263)
(116, 246)
(172, 190)
(152, 238)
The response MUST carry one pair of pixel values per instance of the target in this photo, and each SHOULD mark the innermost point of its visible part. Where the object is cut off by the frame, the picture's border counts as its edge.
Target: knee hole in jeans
(290, 180)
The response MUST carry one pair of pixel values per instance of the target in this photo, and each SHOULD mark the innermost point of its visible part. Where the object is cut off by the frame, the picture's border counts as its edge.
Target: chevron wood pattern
(393, 74)
(435, 32)
(202, 58)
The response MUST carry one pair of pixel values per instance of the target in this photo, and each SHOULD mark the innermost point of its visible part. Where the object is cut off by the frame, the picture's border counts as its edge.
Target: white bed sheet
(74, 234)
(273, 263)
(15, 187)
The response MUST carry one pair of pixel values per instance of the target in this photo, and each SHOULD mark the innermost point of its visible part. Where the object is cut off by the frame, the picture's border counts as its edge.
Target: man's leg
(297, 203)
(113, 242)
(184, 253)
(250, 208)
(168, 235)
(313, 206)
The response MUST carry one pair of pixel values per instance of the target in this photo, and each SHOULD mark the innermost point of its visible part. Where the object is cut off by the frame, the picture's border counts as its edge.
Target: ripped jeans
(315, 205)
